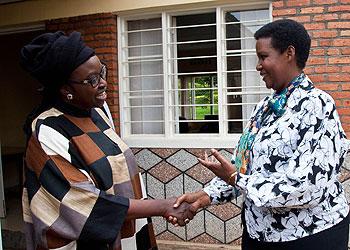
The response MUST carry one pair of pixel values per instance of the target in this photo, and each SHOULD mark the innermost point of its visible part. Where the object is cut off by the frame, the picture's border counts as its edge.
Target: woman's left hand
(221, 168)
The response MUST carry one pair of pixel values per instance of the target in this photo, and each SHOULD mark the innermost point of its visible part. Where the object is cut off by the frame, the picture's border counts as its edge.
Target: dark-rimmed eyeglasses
(95, 79)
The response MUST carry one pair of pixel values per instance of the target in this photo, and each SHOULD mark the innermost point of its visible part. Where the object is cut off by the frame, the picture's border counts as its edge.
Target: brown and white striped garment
(79, 176)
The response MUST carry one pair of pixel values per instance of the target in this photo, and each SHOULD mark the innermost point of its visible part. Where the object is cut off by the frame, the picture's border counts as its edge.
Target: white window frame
(169, 139)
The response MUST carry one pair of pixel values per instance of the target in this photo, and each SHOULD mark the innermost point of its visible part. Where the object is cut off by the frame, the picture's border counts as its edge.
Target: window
(189, 74)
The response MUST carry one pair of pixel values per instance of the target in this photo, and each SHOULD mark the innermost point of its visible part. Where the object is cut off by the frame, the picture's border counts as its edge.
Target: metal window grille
(190, 73)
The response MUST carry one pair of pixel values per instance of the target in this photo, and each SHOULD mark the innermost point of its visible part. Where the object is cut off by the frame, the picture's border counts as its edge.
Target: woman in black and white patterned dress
(288, 158)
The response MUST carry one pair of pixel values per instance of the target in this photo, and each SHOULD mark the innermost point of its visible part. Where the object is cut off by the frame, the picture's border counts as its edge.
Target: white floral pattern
(293, 190)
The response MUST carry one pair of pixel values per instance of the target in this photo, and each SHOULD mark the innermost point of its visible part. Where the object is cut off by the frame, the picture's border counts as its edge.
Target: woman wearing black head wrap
(51, 58)
(82, 187)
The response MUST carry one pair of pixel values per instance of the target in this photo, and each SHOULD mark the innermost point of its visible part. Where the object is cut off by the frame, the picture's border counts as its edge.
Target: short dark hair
(286, 32)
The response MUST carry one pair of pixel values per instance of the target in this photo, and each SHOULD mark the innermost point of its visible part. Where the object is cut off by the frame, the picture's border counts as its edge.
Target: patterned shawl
(275, 104)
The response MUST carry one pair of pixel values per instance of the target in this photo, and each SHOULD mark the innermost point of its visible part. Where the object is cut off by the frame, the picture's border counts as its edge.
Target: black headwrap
(52, 57)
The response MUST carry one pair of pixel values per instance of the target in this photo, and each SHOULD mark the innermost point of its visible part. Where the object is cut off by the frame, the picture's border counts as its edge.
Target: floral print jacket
(293, 190)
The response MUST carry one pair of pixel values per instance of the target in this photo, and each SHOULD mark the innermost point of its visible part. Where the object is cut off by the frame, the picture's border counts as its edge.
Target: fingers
(173, 220)
(180, 200)
(177, 222)
(205, 163)
(218, 156)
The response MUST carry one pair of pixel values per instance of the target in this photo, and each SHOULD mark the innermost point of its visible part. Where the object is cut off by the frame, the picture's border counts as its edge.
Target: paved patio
(172, 245)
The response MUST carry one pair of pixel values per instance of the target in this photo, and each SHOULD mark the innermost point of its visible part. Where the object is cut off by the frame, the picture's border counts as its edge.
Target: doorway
(18, 96)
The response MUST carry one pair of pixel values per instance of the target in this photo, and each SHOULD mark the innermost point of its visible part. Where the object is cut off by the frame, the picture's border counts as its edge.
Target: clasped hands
(186, 206)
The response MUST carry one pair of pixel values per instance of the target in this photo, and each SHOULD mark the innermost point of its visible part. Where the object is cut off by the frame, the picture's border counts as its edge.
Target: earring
(69, 97)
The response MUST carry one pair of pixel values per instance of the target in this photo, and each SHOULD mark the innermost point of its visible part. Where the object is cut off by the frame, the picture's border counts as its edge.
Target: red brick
(327, 86)
(106, 50)
(324, 33)
(114, 95)
(277, 4)
(325, 17)
(340, 95)
(115, 115)
(314, 43)
(314, 26)
(344, 16)
(317, 52)
(284, 12)
(102, 43)
(338, 103)
(346, 103)
(292, 3)
(346, 128)
(88, 38)
(327, 69)
(345, 86)
(345, 51)
(104, 22)
(345, 68)
(323, 2)
(339, 8)
(345, 119)
(312, 10)
(344, 111)
(316, 60)
(333, 51)
(317, 78)
(344, 1)
(102, 29)
(113, 87)
(339, 60)
(114, 108)
(339, 77)
(301, 19)
(108, 57)
(341, 42)
(309, 70)
(325, 43)
(105, 36)
(338, 25)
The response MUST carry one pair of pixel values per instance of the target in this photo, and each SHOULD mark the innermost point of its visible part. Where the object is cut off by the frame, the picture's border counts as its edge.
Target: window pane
(145, 95)
(191, 67)
(195, 92)
(244, 85)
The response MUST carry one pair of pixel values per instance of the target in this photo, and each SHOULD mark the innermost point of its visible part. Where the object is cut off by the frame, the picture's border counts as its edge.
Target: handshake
(184, 207)
(180, 211)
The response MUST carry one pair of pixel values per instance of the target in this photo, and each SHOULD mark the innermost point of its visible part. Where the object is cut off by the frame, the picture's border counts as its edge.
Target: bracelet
(232, 176)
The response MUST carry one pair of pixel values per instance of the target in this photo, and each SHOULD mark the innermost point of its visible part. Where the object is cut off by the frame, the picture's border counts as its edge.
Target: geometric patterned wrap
(79, 176)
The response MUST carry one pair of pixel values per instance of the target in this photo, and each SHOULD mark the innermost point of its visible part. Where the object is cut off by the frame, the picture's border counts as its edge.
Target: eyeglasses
(95, 79)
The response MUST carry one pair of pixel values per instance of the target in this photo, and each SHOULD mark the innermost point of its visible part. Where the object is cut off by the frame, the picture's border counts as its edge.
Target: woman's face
(274, 67)
(86, 96)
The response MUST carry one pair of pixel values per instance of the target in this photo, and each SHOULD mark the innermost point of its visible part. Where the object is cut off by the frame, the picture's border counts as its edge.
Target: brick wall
(99, 32)
(328, 23)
